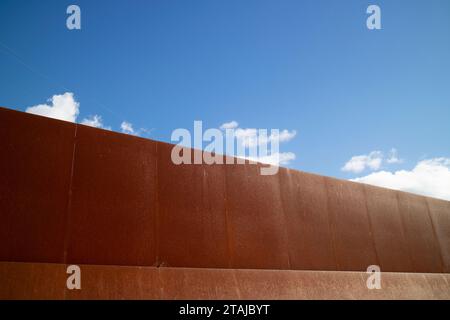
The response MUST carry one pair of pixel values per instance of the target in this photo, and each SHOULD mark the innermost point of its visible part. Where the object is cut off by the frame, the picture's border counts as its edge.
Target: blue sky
(308, 66)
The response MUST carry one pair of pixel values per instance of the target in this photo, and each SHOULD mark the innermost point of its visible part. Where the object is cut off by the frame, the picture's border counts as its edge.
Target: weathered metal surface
(440, 216)
(420, 235)
(187, 283)
(111, 199)
(35, 166)
(350, 224)
(37, 281)
(388, 234)
(192, 224)
(112, 214)
(21, 280)
(257, 227)
(305, 205)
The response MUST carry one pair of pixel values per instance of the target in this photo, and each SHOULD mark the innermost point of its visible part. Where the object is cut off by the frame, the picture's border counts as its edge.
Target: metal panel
(192, 223)
(35, 170)
(130, 205)
(113, 205)
(256, 219)
(351, 227)
(304, 201)
(39, 281)
(440, 216)
(32, 281)
(187, 283)
(422, 242)
(439, 285)
(118, 283)
(387, 229)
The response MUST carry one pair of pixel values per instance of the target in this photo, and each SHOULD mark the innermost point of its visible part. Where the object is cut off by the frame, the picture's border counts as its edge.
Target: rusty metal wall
(75, 194)
(48, 281)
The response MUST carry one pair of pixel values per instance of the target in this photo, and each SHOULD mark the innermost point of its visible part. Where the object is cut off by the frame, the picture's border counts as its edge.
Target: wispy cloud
(276, 159)
(393, 157)
(373, 161)
(359, 163)
(65, 107)
(95, 121)
(229, 125)
(250, 137)
(127, 128)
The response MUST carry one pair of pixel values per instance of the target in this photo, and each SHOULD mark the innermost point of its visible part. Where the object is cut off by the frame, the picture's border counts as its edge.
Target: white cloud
(250, 138)
(127, 128)
(372, 161)
(145, 131)
(429, 177)
(62, 107)
(95, 121)
(284, 135)
(358, 164)
(276, 159)
(229, 125)
(65, 107)
(393, 157)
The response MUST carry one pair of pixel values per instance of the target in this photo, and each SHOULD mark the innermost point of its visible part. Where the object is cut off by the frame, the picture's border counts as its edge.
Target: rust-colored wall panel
(305, 204)
(192, 223)
(48, 281)
(262, 284)
(422, 242)
(440, 216)
(35, 167)
(187, 283)
(117, 283)
(288, 284)
(439, 285)
(350, 222)
(130, 205)
(387, 229)
(329, 285)
(113, 204)
(32, 281)
(256, 219)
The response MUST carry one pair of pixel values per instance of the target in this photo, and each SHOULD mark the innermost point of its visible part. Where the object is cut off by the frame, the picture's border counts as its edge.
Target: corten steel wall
(48, 281)
(73, 194)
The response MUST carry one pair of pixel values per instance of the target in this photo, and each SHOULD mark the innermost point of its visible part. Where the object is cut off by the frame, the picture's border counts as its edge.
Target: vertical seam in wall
(369, 219)
(157, 222)
(69, 200)
(441, 258)
(69, 203)
(227, 222)
(330, 225)
(284, 220)
(404, 231)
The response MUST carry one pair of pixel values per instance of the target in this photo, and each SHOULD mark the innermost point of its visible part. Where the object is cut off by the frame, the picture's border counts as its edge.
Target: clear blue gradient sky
(309, 66)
